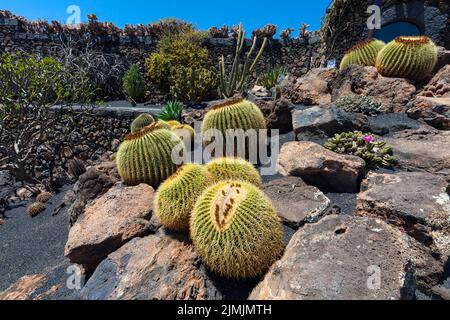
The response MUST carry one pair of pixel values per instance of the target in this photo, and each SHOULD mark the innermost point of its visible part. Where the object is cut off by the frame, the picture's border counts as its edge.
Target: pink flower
(368, 139)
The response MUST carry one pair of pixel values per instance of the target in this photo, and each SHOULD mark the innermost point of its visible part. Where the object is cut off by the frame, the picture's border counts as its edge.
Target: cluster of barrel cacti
(232, 224)
(38, 206)
(410, 57)
(366, 146)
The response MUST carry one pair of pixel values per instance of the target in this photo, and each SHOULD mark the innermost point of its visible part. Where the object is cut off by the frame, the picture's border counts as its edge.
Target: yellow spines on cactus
(234, 113)
(175, 197)
(410, 57)
(146, 155)
(228, 168)
(44, 197)
(173, 123)
(141, 121)
(35, 208)
(363, 54)
(235, 230)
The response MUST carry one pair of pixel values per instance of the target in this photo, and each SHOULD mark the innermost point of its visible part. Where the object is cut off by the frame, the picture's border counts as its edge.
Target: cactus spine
(141, 121)
(44, 197)
(233, 169)
(35, 208)
(412, 57)
(175, 197)
(363, 54)
(235, 230)
(146, 155)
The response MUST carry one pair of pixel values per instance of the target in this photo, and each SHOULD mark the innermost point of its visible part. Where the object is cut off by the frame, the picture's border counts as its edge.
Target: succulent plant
(141, 121)
(146, 155)
(366, 146)
(235, 230)
(35, 208)
(76, 168)
(173, 123)
(175, 197)
(44, 197)
(233, 169)
(411, 57)
(172, 110)
(360, 104)
(231, 114)
(134, 84)
(363, 54)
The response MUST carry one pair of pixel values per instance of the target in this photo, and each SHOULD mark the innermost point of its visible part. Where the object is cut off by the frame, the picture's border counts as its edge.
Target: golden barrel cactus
(362, 54)
(141, 121)
(228, 168)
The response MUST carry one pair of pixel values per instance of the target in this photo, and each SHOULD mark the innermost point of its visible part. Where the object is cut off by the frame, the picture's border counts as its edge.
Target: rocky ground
(350, 232)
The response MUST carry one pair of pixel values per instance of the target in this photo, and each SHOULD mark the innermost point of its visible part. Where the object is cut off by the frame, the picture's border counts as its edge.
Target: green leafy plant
(173, 110)
(366, 146)
(272, 78)
(134, 84)
(238, 79)
(360, 104)
(192, 84)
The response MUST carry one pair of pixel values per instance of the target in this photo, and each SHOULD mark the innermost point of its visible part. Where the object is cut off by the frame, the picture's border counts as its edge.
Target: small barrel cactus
(141, 121)
(173, 123)
(234, 113)
(410, 57)
(35, 208)
(360, 104)
(175, 197)
(235, 230)
(366, 146)
(228, 168)
(44, 197)
(76, 168)
(146, 155)
(363, 54)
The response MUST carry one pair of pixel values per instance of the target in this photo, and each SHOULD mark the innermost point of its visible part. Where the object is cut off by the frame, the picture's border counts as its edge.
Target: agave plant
(273, 77)
(171, 111)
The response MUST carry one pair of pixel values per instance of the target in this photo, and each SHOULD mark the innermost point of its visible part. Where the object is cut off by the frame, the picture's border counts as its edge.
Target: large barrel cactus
(236, 230)
(233, 113)
(175, 197)
(141, 121)
(146, 155)
(363, 54)
(233, 169)
(412, 57)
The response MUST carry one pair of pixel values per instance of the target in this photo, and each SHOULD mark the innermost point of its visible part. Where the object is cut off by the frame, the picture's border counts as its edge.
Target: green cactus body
(233, 169)
(234, 113)
(141, 121)
(363, 54)
(173, 123)
(175, 197)
(235, 230)
(412, 57)
(44, 197)
(35, 208)
(146, 155)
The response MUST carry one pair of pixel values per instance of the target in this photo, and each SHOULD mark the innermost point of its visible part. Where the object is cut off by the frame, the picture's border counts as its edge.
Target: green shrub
(134, 84)
(173, 110)
(272, 78)
(175, 54)
(193, 84)
(366, 146)
(360, 104)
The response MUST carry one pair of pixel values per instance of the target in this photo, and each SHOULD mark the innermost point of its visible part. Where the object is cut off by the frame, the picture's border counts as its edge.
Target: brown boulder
(393, 93)
(295, 202)
(349, 258)
(115, 218)
(439, 85)
(311, 89)
(321, 167)
(151, 268)
(434, 111)
(277, 114)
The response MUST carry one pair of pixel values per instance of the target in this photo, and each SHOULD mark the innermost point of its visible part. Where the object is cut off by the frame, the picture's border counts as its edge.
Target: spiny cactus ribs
(175, 197)
(235, 230)
(363, 54)
(35, 208)
(146, 155)
(233, 169)
(141, 121)
(232, 114)
(44, 197)
(412, 57)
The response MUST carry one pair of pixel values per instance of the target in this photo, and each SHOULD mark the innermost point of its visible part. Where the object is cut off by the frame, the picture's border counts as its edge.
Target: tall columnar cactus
(234, 113)
(146, 155)
(235, 230)
(411, 57)
(141, 121)
(233, 169)
(175, 197)
(363, 54)
(238, 80)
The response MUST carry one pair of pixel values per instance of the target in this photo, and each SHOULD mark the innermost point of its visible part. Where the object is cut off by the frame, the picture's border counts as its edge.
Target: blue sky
(203, 13)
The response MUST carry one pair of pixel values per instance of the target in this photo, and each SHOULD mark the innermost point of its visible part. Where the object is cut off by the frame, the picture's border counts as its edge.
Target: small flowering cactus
(366, 146)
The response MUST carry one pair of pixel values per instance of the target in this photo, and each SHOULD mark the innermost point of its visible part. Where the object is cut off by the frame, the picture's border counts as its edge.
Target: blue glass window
(392, 30)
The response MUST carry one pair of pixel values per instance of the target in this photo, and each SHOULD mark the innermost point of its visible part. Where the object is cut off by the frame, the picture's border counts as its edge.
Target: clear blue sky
(203, 13)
